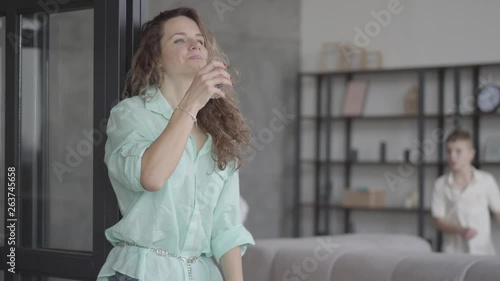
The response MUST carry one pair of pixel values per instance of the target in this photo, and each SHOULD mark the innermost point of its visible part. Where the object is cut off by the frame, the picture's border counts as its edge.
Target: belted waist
(162, 252)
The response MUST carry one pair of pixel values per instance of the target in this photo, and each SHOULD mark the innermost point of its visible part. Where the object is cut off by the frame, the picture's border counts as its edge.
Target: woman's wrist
(189, 106)
(193, 117)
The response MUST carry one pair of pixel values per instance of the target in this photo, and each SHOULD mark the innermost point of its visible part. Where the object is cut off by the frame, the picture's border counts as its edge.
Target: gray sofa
(362, 257)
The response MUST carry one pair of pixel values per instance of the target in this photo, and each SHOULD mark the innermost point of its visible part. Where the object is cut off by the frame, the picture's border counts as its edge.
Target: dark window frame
(117, 25)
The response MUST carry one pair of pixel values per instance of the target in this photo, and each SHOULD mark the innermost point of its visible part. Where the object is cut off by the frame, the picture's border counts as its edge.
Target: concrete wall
(261, 38)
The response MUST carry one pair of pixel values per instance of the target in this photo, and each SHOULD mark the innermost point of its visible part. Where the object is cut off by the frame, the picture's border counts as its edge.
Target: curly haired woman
(173, 156)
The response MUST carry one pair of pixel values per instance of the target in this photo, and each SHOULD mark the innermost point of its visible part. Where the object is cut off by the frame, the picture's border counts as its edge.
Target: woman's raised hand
(206, 85)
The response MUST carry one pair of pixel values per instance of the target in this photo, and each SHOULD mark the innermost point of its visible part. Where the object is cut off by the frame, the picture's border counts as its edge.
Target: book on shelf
(354, 98)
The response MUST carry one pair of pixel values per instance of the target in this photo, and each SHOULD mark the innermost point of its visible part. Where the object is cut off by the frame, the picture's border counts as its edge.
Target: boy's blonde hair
(460, 135)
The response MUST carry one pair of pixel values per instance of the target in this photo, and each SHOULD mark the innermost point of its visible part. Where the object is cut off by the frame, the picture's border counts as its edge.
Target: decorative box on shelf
(364, 197)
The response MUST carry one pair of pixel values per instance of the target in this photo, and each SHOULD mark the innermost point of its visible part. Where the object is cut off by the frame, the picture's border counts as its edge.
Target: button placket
(190, 235)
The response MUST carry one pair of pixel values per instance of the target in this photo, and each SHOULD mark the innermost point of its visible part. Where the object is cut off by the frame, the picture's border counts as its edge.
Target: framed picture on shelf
(355, 97)
(331, 56)
(352, 57)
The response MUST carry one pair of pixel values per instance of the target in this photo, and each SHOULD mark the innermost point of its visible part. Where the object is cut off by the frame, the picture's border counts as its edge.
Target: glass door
(62, 67)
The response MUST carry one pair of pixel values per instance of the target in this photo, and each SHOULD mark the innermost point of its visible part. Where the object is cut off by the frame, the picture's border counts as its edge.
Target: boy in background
(462, 198)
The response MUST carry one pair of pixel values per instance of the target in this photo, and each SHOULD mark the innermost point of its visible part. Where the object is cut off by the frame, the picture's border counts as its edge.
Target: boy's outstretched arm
(445, 226)
(494, 198)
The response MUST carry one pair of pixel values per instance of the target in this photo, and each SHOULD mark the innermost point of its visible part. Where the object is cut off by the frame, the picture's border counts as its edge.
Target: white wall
(421, 32)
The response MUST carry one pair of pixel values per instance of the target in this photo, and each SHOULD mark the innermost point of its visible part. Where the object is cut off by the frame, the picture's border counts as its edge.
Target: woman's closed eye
(182, 41)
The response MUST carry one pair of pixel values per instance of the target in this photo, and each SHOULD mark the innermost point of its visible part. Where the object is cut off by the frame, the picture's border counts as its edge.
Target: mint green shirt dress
(196, 212)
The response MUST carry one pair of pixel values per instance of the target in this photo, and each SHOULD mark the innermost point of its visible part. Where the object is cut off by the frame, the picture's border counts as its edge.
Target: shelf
(490, 163)
(386, 209)
(364, 162)
(389, 163)
(417, 123)
(396, 69)
(394, 117)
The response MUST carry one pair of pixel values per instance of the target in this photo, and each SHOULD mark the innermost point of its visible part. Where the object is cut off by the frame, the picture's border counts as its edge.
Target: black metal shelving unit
(324, 122)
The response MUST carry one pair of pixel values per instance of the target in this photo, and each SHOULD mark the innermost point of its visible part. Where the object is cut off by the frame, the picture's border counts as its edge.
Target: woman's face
(183, 50)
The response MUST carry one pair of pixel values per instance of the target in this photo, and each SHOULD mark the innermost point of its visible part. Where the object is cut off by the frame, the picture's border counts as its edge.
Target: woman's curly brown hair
(221, 118)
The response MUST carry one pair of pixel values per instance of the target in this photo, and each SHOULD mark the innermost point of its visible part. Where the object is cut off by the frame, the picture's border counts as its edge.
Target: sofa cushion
(435, 267)
(309, 261)
(314, 257)
(362, 265)
(397, 242)
(258, 259)
(484, 270)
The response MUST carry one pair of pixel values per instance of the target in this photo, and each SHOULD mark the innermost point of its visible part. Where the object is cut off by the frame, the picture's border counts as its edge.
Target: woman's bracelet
(190, 114)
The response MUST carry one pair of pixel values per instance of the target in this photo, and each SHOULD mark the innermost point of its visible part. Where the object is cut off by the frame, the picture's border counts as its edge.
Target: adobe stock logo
(39, 18)
(381, 19)
(266, 135)
(222, 6)
(373, 28)
(322, 252)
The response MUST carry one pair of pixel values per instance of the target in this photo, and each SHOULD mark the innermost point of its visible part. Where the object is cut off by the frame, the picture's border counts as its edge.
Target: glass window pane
(57, 121)
(2, 124)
